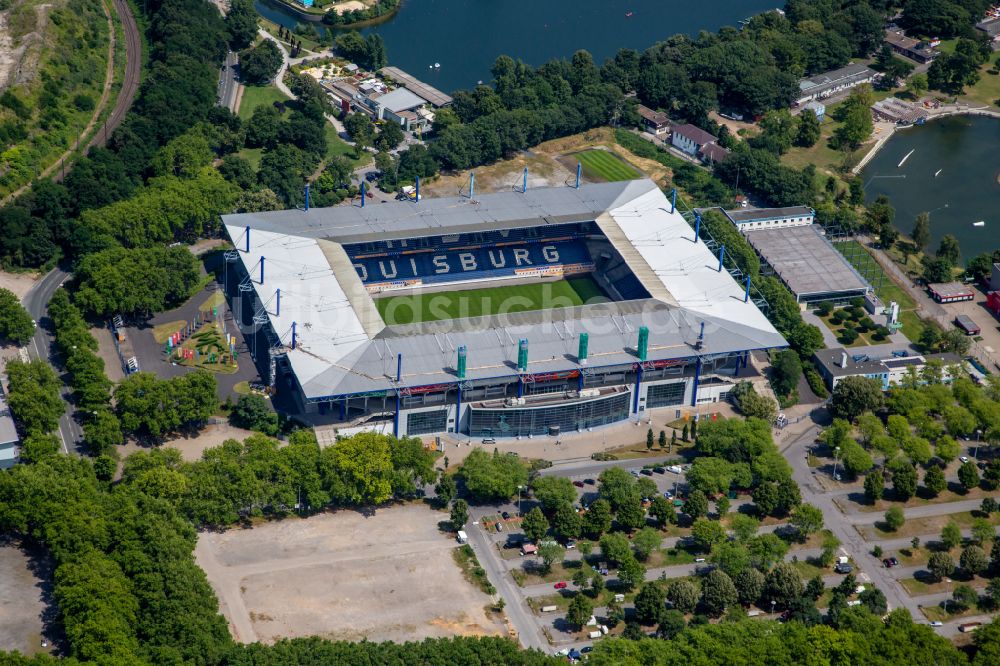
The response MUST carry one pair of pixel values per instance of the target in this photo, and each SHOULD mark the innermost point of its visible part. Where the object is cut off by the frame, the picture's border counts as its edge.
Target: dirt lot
(19, 283)
(191, 448)
(21, 602)
(384, 576)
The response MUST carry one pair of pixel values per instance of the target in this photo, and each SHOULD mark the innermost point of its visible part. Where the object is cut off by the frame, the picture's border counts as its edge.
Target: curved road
(36, 302)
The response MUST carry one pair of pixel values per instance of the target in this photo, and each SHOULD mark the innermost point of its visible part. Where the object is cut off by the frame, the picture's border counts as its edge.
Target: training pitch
(603, 165)
(411, 308)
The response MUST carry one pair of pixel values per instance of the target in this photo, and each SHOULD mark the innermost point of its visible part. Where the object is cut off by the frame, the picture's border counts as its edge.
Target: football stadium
(509, 314)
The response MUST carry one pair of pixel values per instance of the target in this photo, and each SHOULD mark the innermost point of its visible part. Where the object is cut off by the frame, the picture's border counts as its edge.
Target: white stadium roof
(344, 347)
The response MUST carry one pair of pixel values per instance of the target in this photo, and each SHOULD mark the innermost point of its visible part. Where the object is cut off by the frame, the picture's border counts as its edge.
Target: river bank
(944, 112)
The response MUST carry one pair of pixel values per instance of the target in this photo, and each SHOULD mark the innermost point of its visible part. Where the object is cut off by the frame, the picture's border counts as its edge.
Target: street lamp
(519, 489)
(772, 606)
(975, 452)
(836, 452)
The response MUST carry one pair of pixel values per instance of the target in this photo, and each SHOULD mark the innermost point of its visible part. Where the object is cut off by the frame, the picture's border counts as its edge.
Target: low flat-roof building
(808, 264)
(838, 363)
(967, 324)
(654, 122)
(951, 292)
(434, 97)
(399, 106)
(756, 219)
(830, 83)
(914, 49)
(990, 27)
(995, 278)
(901, 112)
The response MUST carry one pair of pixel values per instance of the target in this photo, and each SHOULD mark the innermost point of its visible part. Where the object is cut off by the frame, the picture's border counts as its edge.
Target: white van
(676, 469)
(462, 537)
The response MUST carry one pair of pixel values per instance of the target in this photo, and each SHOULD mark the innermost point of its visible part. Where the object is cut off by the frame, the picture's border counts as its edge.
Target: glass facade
(421, 423)
(537, 421)
(664, 395)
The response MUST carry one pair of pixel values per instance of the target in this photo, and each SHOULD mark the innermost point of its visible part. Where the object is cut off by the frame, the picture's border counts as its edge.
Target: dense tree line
(16, 324)
(186, 40)
(34, 397)
(91, 386)
(150, 407)
(136, 281)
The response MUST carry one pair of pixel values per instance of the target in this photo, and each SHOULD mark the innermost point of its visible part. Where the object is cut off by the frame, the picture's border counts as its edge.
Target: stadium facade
(671, 326)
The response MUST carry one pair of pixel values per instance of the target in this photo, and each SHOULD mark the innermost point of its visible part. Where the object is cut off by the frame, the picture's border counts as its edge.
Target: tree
(917, 85)
(934, 480)
(904, 480)
(580, 609)
(650, 440)
(566, 522)
(718, 593)
(731, 557)
(550, 552)
(597, 520)
(949, 249)
(782, 585)
(988, 506)
(359, 126)
(922, 231)
(995, 557)
(15, 322)
(706, 533)
(940, 565)
(982, 531)
(630, 573)
(534, 524)
(682, 595)
(874, 485)
(744, 527)
(968, 475)
(696, 505)
(806, 519)
(241, 24)
(645, 542)
(951, 535)
(874, 600)
(855, 395)
(446, 488)
(459, 514)
(894, 518)
(34, 397)
(553, 491)
(136, 281)
(856, 119)
(649, 604)
(616, 486)
(615, 548)
(749, 585)
(786, 372)
(671, 624)
(493, 477)
(663, 511)
(964, 596)
(721, 507)
(662, 440)
(631, 514)
(260, 64)
(973, 560)
(390, 135)
(253, 413)
(809, 129)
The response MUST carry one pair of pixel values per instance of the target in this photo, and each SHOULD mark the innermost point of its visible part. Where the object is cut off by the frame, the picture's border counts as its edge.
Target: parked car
(499, 526)
(893, 561)
(660, 470)
(578, 484)
(668, 495)
(886, 563)
(589, 482)
(937, 623)
(964, 459)
(586, 649)
(842, 568)
(647, 472)
(634, 472)
(489, 440)
(570, 544)
(372, 176)
(561, 585)
(506, 516)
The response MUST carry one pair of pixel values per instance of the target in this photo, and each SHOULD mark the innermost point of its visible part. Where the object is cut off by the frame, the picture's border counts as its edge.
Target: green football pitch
(603, 165)
(410, 308)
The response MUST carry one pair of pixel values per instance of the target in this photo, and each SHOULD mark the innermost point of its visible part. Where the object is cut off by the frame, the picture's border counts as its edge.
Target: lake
(466, 36)
(963, 152)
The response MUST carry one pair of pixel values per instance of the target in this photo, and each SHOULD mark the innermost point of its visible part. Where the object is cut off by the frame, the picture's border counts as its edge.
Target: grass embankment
(396, 310)
(466, 560)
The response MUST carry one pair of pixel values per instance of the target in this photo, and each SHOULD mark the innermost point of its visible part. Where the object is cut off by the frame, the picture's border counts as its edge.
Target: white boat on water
(980, 223)
(937, 172)
(902, 161)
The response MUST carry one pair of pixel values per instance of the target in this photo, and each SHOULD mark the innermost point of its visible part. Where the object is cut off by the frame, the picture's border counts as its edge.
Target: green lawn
(337, 146)
(603, 165)
(478, 302)
(254, 96)
(888, 290)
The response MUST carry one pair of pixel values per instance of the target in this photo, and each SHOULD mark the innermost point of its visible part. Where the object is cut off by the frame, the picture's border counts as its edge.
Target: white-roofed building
(671, 328)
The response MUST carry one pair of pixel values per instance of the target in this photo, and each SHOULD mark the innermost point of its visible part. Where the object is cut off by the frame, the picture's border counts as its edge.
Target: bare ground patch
(26, 613)
(18, 283)
(385, 574)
